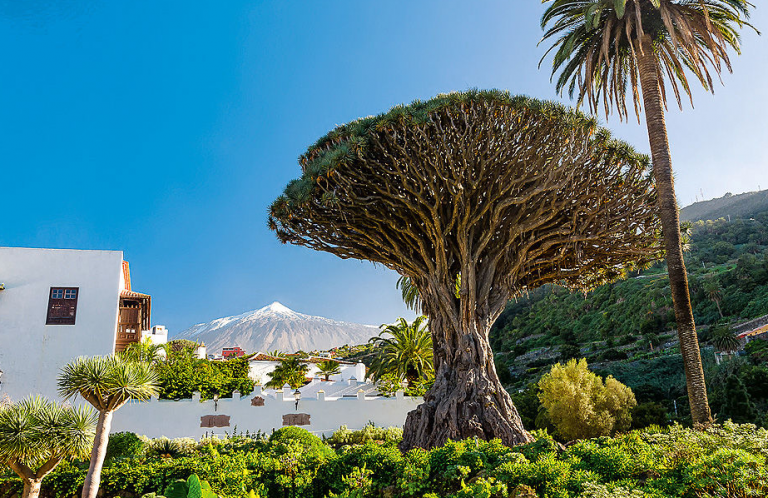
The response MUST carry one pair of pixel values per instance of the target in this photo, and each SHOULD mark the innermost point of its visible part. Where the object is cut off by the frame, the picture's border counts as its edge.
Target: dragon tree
(476, 197)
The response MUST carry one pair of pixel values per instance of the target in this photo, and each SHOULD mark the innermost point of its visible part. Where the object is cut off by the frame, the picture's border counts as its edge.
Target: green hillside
(626, 329)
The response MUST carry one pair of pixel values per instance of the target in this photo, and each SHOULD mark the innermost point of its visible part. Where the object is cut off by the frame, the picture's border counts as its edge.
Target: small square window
(62, 306)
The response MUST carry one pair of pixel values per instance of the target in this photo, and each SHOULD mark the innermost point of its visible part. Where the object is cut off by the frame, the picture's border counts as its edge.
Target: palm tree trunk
(467, 400)
(670, 222)
(719, 310)
(31, 488)
(93, 478)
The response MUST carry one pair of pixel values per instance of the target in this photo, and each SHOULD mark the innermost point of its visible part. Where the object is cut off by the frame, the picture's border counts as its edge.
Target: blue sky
(165, 129)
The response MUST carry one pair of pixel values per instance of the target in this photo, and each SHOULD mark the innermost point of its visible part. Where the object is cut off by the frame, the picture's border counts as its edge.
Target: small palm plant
(37, 434)
(407, 354)
(106, 382)
(328, 367)
(291, 370)
(724, 340)
(145, 351)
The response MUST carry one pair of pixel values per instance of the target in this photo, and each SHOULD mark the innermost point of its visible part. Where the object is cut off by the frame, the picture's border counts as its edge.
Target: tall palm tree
(37, 434)
(291, 370)
(714, 292)
(328, 367)
(605, 48)
(407, 354)
(106, 382)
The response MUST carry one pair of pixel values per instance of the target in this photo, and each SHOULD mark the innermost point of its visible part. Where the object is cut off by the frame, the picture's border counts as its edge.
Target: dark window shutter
(62, 305)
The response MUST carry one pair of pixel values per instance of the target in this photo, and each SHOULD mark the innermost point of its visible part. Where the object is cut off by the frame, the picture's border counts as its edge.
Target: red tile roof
(133, 295)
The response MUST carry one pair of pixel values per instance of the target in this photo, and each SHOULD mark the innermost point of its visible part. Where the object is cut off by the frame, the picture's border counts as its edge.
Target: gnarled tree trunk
(670, 223)
(467, 399)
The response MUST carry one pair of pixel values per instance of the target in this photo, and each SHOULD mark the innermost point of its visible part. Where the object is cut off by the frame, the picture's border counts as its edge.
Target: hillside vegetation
(626, 329)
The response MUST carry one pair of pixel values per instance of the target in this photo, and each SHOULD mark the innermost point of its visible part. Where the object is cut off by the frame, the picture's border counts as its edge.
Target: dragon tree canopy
(540, 184)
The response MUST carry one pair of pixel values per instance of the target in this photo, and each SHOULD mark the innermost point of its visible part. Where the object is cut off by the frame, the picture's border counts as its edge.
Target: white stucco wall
(157, 418)
(31, 352)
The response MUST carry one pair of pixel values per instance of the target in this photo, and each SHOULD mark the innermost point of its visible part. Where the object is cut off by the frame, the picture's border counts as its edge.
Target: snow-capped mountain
(277, 327)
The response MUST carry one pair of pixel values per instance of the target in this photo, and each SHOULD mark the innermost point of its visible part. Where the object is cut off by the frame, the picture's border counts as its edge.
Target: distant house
(262, 364)
(58, 304)
(232, 352)
(751, 335)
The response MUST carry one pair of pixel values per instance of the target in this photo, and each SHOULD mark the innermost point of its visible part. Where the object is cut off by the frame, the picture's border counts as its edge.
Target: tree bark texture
(670, 222)
(506, 193)
(99, 452)
(31, 488)
(467, 400)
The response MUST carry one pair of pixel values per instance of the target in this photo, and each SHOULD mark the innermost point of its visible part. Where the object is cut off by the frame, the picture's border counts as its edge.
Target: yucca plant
(107, 383)
(37, 434)
(606, 49)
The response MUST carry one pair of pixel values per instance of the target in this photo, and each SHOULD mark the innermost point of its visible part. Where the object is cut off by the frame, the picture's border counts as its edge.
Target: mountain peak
(277, 327)
(276, 307)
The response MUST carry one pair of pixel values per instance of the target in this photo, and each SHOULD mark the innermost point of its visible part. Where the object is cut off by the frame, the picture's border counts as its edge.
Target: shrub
(125, 445)
(296, 434)
(649, 413)
(581, 405)
(369, 433)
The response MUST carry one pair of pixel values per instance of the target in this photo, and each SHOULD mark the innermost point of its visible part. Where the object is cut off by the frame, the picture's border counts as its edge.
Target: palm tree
(410, 293)
(724, 339)
(37, 434)
(714, 292)
(328, 368)
(603, 49)
(407, 354)
(291, 370)
(145, 351)
(106, 382)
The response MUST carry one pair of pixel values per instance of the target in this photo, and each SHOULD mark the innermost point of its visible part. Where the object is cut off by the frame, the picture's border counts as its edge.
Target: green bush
(581, 405)
(124, 445)
(296, 434)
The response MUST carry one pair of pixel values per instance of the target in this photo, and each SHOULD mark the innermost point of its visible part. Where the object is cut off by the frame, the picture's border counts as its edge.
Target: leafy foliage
(182, 373)
(725, 460)
(581, 405)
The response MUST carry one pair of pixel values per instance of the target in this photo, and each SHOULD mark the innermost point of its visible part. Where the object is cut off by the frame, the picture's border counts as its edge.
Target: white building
(58, 304)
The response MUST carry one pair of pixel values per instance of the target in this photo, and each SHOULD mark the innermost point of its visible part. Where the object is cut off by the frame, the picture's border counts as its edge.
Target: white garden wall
(264, 411)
